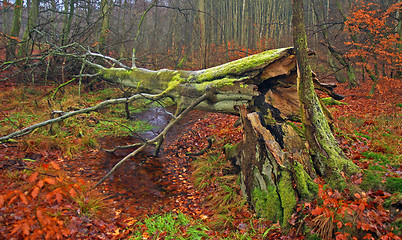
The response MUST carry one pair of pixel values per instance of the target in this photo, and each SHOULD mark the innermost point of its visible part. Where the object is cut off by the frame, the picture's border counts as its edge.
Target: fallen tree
(277, 164)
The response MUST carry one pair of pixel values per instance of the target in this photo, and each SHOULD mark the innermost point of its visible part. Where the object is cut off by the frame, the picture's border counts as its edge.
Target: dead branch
(29, 129)
(157, 138)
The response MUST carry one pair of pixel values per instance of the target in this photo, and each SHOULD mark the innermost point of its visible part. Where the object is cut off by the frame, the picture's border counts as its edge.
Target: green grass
(74, 134)
(371, 181)
(170, 226)
(393, 185)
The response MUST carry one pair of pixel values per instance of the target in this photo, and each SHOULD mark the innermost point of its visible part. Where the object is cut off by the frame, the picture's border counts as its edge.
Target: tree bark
(327, 157)
(106, 8)
(203, 38)
(270, 75)
(15, 30)
(32, 22)
(69, 9)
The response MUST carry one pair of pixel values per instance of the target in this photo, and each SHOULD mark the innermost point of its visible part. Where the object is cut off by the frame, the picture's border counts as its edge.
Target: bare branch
(157, 138)
(108, 58)
(29, 129)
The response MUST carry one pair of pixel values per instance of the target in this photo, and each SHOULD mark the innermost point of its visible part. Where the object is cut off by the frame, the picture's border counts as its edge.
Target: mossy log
(269, 75)
(275, 160)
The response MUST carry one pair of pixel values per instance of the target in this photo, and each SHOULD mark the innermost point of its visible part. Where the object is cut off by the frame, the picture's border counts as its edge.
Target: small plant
(170, 226)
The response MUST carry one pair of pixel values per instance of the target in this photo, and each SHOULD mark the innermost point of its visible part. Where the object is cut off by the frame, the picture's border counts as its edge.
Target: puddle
(139, 180)
(156, 117)
(143, 183)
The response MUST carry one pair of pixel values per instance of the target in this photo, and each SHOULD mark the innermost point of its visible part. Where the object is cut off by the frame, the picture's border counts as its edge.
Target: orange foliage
(39, 205)
(373, 39)
(363, 212)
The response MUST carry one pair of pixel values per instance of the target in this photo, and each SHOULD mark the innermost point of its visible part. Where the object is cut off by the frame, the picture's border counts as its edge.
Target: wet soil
(145, 184)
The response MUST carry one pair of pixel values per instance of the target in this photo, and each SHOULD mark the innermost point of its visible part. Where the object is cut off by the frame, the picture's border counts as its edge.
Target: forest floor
(46, 177)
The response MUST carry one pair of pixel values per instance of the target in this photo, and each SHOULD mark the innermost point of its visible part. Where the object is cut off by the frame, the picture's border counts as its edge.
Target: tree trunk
(328, 159)
(15, 30)
(332, 53)
(32, 21)
(203, 38)
(106, 6)
(273, 157)
(399, 31)
(67, 20)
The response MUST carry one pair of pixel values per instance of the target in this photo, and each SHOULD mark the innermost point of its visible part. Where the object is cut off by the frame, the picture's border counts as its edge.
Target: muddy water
(140, 179)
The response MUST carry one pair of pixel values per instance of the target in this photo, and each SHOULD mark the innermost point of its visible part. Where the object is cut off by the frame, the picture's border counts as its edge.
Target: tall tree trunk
(203, 38)
(32, 22)
(123, 29)
(69, 8)
(328, 159)
(105, 11)
(321, 14)
(399, 31)
(15, 30)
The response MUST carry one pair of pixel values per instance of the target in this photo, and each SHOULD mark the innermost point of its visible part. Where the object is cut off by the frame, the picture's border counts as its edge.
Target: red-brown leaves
(360, 211)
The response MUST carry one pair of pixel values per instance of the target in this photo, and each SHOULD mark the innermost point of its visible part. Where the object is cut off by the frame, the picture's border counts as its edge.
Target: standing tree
(15, 30)
(105, 13)
(327, 157)
(31, 24)
(203, 38)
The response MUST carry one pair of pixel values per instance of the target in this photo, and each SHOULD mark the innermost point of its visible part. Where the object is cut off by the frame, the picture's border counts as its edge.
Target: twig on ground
(155, 139)
(29, 129)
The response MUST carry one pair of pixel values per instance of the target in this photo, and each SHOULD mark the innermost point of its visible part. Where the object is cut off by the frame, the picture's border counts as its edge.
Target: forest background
(357, 43)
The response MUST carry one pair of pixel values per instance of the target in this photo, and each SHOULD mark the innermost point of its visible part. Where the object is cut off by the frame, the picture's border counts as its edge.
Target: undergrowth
(170, 226)
(349, 215)
(43, 203)
(74, 134)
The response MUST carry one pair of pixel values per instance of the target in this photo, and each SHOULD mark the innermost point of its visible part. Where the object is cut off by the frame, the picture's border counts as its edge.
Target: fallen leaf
(49, 180)
(23, 198)
(25, 228)
(2, 200)
(55, 165)
(33, 177)
(35, 192)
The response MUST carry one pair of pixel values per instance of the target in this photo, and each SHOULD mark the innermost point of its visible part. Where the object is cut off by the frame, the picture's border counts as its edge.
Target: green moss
(267, 203)
(217, 83)
(305, 185)
(287, 196)
(119, 73)
(393, 185)
(231, 151)
(376, 168)
(371, 181)
(269, 119)
(176, 81)
(313, 237)
(380, 158)
(299, 130)
(242, 65)
(329, 101)
(397, 227)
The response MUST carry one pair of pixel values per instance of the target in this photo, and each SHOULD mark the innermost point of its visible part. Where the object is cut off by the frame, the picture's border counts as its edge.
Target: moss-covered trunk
(241, 82)
(274, 164)
(328, 159)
